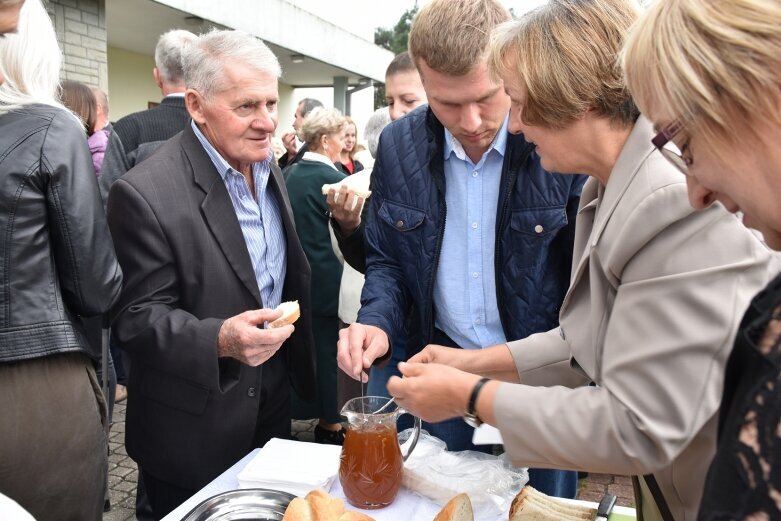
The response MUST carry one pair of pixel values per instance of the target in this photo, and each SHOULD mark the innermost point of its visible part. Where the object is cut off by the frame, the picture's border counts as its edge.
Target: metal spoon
(385, 406)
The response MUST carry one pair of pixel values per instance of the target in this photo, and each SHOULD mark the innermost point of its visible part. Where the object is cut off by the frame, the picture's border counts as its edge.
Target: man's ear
(194, 103)
(158, 78)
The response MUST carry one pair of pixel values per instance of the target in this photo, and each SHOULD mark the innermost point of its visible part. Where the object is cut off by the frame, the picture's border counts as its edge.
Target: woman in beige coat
(656, 294)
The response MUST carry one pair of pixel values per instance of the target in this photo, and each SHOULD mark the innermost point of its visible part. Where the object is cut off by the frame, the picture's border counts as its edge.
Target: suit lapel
(219, 214)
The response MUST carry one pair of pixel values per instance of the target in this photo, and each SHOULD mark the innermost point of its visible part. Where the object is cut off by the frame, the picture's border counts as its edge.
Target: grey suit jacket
(656, 297)
(191, 414)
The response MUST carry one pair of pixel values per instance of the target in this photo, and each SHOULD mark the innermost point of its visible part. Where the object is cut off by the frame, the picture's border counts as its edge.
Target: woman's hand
(436, 354)
(432, 391)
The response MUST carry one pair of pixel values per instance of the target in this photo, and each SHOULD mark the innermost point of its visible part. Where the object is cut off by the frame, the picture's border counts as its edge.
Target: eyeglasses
(680, 158)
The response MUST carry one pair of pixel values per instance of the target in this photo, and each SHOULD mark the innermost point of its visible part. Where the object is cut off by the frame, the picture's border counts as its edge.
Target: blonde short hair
(713, 64)
(320, 122)
(566, 56)
(452, 35)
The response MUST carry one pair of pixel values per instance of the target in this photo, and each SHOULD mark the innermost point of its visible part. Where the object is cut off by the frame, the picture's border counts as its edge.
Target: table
(407, 505)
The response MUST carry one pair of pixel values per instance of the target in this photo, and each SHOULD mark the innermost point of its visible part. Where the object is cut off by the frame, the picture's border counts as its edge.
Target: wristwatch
(470, 416)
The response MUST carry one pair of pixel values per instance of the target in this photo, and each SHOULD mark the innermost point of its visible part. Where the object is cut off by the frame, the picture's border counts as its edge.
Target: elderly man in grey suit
(205, 232)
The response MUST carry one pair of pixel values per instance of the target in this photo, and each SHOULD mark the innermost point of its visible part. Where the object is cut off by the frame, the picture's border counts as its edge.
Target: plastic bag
(490, 481)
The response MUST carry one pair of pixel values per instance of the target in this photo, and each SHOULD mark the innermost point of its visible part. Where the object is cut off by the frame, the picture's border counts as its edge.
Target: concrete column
(340, 94)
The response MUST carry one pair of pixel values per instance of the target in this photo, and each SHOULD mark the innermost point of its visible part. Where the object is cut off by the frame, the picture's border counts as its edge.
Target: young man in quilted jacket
(463, 222)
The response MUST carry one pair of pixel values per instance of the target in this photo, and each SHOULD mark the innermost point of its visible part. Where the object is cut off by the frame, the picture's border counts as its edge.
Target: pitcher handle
(415, 435)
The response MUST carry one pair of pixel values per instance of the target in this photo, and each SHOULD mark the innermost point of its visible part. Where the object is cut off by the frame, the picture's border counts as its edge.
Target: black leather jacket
(57, 261)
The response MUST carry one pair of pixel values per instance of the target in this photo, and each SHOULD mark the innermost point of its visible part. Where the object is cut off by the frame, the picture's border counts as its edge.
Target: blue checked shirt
(465, 285)
(260, 221)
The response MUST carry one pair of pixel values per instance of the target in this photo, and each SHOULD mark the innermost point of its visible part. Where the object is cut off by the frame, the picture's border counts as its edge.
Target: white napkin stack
(292, 466)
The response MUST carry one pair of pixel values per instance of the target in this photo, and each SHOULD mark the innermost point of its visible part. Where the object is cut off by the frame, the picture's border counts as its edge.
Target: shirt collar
(453, 146)
(220, 163)
(320, 158)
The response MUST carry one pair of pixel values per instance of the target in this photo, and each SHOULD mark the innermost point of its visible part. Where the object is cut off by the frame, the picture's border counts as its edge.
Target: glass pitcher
(371, 463)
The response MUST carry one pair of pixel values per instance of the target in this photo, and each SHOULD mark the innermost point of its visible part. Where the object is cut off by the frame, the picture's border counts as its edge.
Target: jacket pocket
(173, 392)
(401, 218)
(533, 231)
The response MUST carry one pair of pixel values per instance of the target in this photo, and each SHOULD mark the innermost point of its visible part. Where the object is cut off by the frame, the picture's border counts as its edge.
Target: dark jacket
(57, 258)
(136, 136)
(190, 414)
(744, 475)
(357, 167)
(406, 221)
(286, 161)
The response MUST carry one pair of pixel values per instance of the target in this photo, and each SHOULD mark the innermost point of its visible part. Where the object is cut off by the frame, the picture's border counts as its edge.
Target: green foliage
(395, 40)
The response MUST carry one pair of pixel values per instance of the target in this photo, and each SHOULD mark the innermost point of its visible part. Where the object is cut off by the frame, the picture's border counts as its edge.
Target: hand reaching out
(358, 347)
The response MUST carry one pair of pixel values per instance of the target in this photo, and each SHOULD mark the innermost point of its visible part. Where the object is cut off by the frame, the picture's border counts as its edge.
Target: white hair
(30, 61)
(205, 59)
(168, 54)
(378, 121)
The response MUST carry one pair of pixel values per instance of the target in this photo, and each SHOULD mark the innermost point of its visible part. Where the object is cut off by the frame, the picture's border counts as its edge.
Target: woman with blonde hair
(708, 74)
(323, 132)
(649, 316)
(58, 265)
(347, 163)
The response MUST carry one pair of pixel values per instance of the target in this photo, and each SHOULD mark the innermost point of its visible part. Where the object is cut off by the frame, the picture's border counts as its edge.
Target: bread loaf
(319, 506)
(290, 313)
(357, 190)
(459, 508)
(532, 505)
(365, 194)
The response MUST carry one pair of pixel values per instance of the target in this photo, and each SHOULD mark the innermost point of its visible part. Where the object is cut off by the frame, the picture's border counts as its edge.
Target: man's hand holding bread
(243, 337)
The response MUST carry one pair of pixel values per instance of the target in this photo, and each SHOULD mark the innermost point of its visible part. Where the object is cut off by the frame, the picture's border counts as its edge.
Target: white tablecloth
(407, 505)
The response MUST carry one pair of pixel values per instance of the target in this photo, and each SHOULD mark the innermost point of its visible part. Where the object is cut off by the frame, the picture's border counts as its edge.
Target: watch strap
(470, 409)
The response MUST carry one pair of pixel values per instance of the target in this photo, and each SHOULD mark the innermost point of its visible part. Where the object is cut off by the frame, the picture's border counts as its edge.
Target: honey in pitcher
(371, 466)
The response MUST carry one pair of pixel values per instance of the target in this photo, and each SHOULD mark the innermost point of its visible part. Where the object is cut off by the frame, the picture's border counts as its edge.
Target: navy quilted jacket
(405, 223)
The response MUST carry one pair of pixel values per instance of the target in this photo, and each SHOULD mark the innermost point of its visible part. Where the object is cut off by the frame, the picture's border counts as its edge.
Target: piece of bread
(319, 506)
(459, 508)
(357, 188)
(290, 313)
(324, 507)
(298, 510)
(532, 505)
(352, 515)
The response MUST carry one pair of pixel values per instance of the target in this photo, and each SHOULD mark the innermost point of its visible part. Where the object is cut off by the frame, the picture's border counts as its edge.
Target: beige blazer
(656, 297)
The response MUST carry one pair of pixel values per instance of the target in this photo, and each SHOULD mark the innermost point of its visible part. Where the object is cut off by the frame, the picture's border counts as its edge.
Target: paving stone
(121, 472)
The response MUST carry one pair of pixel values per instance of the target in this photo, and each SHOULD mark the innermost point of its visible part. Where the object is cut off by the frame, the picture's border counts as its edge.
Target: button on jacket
(57, 261)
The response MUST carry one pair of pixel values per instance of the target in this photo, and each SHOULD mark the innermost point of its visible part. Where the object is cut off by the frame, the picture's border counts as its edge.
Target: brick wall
(81, 32)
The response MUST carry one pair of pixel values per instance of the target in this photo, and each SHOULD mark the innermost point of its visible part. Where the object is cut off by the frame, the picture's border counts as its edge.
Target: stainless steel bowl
(249, 504)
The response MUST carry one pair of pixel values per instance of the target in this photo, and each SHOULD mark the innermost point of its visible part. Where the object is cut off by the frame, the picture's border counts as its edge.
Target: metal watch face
(472, 420)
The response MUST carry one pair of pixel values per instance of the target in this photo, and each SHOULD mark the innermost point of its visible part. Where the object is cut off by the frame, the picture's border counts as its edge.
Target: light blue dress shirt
(260, 221)
(465, 285)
